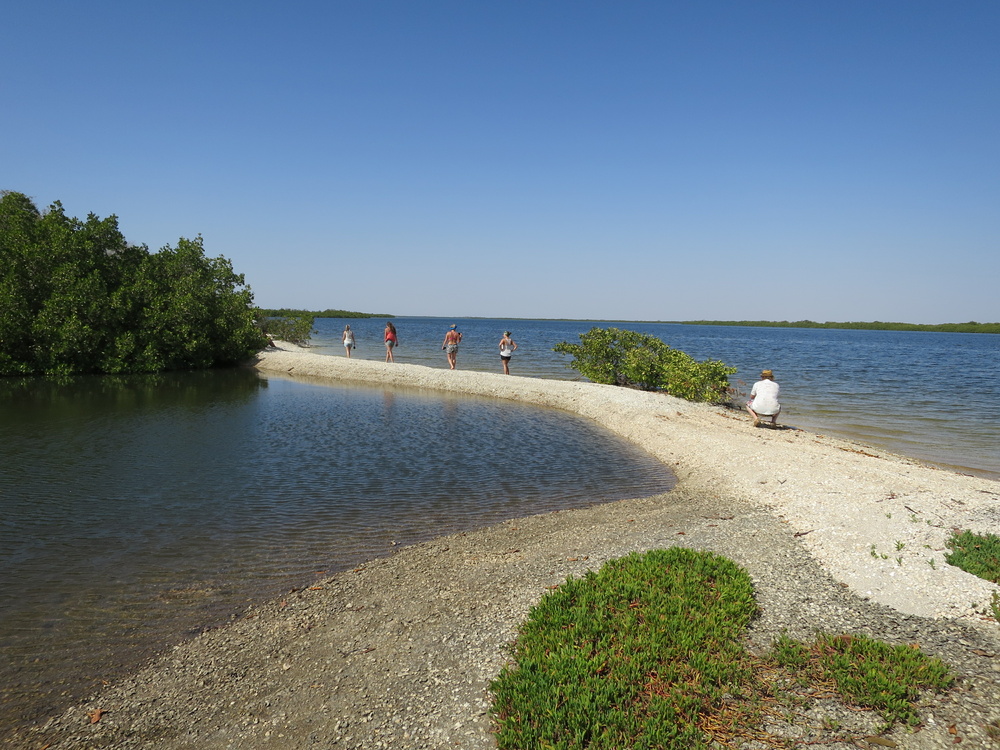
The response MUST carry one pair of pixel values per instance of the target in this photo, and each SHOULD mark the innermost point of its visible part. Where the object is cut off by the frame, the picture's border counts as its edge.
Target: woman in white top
(764, 399)
(507, 348)
(348, 339)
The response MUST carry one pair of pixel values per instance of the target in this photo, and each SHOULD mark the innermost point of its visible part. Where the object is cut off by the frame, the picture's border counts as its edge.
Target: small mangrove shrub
(647, 652)
(638, 360)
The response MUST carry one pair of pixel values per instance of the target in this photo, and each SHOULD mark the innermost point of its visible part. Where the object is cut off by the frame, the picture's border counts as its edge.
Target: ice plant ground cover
(978, 554)
(648, 652)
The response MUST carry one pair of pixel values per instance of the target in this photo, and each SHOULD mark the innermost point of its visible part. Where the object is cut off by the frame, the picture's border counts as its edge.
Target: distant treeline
(970, 327)
(285, 312)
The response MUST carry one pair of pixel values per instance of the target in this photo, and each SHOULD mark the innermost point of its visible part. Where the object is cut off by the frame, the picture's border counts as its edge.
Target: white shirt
(764, 396)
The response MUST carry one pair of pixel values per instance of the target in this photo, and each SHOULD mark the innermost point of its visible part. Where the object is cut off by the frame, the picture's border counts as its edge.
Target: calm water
(135, 511)
(931, 396)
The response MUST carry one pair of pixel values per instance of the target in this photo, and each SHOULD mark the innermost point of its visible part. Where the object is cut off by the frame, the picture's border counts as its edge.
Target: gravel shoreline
(399, 652)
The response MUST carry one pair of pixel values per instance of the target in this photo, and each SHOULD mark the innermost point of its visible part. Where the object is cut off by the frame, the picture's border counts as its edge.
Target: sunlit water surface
(133, 512)
(931, 396)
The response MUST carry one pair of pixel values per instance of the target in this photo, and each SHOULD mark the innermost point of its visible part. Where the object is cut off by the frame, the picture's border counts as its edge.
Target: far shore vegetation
(286, 312)
(970, 327)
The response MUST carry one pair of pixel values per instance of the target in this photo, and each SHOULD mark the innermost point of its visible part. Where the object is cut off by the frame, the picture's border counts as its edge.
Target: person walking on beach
(391, 340)
(507, 349)
(450, 345)
(764, 399)
(348, 339)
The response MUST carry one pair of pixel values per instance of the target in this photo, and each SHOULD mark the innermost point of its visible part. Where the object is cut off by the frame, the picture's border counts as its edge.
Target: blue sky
(618, 160)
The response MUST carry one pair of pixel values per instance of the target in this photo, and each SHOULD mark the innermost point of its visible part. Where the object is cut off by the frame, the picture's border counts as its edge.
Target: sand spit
(399, 653)
(844, 499)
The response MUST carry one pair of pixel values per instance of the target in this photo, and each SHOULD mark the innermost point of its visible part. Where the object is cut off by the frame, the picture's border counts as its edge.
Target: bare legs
(757, 419)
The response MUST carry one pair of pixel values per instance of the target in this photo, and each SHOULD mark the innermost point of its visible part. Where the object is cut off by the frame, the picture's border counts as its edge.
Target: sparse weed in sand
(646, 652)
(993, 731)
(878, 555)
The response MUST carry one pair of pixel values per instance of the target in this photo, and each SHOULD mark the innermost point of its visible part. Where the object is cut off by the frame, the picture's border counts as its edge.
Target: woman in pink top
(391, 340)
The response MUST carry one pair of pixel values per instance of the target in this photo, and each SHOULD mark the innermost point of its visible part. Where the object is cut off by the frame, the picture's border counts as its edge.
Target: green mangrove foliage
(288, 324)
(639, 360)
(296, 328)
(648, 652)
(75, 297)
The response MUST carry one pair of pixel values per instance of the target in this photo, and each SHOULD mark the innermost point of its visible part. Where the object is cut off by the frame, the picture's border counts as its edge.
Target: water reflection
(135, 510)
(932, 396)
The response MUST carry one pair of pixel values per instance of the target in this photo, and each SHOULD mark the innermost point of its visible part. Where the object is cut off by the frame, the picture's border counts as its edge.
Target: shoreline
(400, 651)
(808, 480)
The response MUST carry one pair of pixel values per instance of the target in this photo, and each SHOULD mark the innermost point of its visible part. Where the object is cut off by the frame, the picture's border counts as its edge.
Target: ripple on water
(132, 518)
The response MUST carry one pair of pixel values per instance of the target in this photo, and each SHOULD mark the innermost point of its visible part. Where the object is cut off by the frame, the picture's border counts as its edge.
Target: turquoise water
(134, 512)
(931, 396)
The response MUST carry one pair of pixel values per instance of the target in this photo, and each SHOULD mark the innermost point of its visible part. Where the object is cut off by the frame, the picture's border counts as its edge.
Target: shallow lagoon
(137, 511)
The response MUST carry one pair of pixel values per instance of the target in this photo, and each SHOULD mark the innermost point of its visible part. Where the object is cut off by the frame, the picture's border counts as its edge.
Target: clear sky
(769, 160)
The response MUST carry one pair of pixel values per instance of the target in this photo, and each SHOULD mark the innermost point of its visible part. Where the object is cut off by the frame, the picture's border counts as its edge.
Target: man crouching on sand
(764, 399)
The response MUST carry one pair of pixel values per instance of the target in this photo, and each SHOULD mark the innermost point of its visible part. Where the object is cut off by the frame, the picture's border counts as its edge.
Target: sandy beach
(400, 652)
(840, 496)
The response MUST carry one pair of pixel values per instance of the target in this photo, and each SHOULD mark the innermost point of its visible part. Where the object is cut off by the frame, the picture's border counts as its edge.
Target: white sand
(878, 522)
